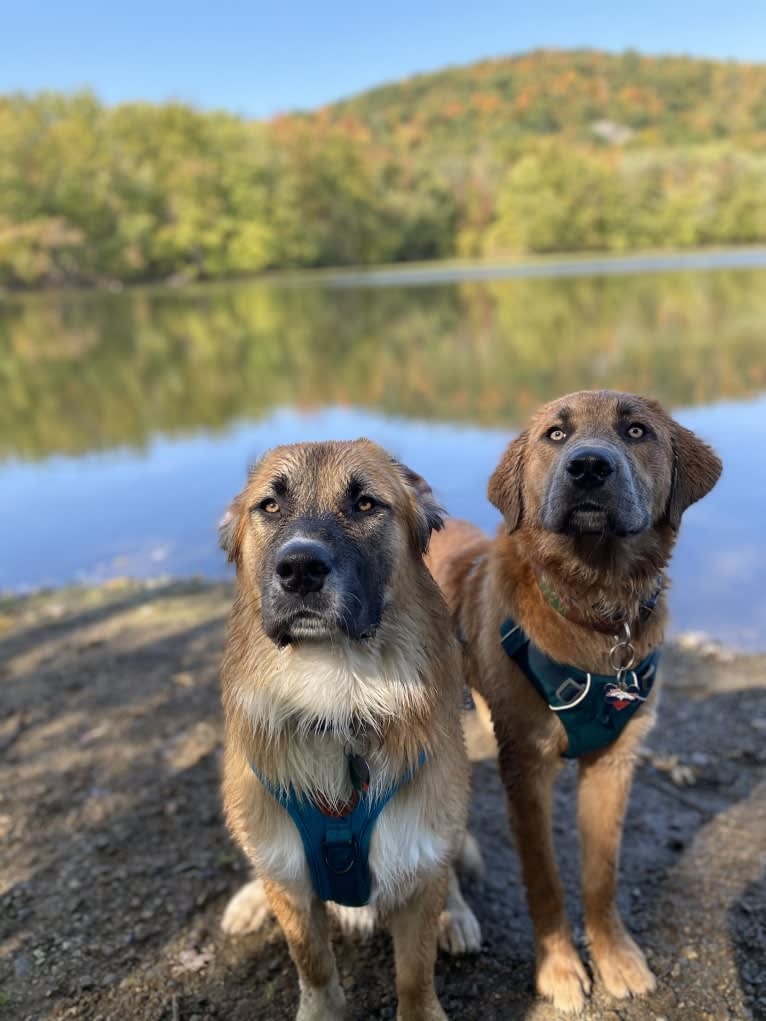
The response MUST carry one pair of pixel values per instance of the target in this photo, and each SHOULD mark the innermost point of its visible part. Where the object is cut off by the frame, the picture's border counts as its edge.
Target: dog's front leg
(304, 923)
(605, 779)
(561, 975)
(414, 928)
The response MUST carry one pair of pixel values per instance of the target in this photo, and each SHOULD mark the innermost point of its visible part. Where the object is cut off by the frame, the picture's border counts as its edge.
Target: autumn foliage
(547, 152)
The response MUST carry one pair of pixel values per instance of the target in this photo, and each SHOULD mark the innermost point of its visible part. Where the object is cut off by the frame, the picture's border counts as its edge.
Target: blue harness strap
(594, 708)
(338, 848)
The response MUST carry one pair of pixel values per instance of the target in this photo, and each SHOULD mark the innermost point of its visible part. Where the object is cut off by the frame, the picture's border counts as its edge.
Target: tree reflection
(82, 372)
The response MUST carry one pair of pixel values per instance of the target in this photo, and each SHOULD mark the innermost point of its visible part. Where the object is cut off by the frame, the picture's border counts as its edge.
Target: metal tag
(360, 773)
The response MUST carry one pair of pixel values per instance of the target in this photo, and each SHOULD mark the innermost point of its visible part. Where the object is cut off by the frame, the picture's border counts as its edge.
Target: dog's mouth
(588, 518)
(309, 626)
(305, 625)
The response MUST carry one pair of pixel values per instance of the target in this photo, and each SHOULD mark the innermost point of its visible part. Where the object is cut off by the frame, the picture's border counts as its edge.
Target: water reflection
(90, 372)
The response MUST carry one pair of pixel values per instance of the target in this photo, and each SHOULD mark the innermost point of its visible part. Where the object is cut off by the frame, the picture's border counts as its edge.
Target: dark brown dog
(592, 494)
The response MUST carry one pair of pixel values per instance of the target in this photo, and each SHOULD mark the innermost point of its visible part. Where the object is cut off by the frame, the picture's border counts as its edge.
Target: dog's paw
(459, 930)
(622, 966)
(247, 910)
(562, 978)
(326, 1004)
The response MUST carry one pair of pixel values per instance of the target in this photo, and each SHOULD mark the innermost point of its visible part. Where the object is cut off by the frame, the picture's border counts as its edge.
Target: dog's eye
(556, 434)
(364, 505)
(270, 505)
(636, 431)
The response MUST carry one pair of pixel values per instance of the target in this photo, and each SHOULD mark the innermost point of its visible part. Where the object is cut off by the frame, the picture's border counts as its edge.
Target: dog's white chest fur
(343, 686)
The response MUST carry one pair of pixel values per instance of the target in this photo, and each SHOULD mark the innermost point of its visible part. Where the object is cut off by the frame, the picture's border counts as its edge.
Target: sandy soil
(115, 865)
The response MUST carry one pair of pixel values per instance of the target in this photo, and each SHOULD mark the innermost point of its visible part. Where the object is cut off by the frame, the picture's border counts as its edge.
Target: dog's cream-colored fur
(294, 712)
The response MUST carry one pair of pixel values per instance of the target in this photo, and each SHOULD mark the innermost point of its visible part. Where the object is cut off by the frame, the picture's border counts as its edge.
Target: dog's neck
(623, 568)
(594, 584)
(310, 705)
(603, 613)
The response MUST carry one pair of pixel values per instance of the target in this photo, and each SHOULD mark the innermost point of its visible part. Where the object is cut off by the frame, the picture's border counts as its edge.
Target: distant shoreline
(446, 271)
(412, 274)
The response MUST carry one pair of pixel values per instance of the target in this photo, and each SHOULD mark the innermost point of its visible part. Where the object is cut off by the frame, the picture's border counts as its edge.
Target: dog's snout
(303, 567)
(589, 467)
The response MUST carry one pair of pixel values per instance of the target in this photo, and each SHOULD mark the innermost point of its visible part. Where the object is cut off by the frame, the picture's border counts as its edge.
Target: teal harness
(337, 847)
(594, 708)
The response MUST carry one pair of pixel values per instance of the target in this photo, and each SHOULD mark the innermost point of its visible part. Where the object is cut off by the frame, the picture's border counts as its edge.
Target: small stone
(22, 966)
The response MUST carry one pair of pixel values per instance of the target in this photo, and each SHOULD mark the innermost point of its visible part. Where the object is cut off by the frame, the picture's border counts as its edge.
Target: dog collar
(569, 607)
(336, 841)
(594, 708)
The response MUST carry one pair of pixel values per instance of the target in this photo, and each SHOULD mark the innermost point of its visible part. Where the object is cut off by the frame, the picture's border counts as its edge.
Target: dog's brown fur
(412, 651)
(486, 581)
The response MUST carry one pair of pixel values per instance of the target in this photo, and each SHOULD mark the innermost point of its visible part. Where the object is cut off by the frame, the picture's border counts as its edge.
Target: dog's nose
(302, 567)
(590, 467)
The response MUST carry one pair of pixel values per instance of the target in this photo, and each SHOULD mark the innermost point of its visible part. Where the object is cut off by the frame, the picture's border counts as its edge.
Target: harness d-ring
(352, 860)
(571, 705)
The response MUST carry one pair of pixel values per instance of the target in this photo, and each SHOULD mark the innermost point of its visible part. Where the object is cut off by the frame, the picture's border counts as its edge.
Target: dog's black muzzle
(593, 491)
(317, 583)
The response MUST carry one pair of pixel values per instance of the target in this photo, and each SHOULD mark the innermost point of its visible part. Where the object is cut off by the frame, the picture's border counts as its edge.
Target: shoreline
(551, 265)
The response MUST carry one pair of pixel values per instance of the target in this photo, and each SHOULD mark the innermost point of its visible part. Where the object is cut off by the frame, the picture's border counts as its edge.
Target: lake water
(128, 420)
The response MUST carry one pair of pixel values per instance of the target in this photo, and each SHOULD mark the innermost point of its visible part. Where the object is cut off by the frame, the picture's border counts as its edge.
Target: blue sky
(259, 58)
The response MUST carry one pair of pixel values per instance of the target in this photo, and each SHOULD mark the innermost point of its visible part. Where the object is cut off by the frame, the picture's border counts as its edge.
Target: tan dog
(592, 494)
(342, 687)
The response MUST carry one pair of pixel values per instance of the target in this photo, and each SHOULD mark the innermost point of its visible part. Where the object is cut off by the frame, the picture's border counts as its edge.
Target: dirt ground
(115, 865)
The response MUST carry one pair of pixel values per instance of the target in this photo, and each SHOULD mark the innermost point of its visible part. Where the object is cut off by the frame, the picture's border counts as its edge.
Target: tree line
(551, 152)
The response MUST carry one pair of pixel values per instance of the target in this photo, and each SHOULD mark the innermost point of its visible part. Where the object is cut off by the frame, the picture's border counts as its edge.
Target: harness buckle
(566, 686)
(568, 690)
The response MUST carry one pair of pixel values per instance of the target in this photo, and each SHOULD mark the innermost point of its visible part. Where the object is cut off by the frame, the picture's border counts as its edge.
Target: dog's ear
(428, 515)
(696, 469)
(505, 484)
(230, 530)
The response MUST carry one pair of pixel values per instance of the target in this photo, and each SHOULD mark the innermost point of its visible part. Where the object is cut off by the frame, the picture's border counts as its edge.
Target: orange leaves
(486, 102)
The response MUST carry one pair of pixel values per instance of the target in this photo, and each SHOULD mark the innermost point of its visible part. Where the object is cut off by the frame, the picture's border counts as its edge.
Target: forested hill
(552, 151)
(647, 100)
